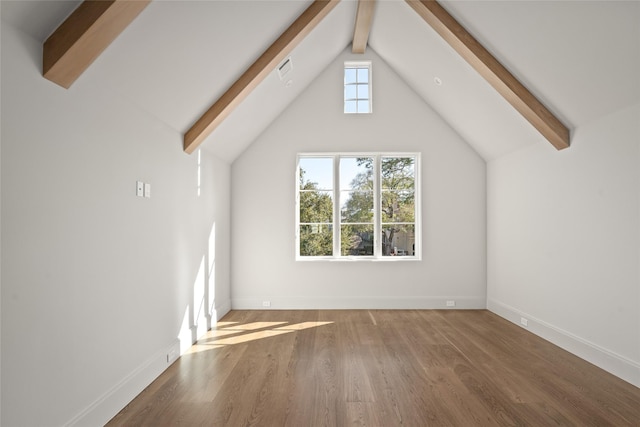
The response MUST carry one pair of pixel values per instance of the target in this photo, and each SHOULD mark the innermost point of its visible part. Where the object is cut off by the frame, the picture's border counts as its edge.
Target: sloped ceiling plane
(510, 73)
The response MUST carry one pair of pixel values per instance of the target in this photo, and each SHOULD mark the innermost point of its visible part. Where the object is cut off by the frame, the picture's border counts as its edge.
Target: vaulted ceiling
(581, 59)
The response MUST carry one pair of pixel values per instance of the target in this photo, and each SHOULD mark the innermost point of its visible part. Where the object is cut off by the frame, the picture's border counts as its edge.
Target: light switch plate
(147, 190)
(139, 188)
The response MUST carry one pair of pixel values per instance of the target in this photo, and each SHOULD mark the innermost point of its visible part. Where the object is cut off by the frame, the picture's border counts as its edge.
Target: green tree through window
(397, 200)
(316, 219)
(376, 200)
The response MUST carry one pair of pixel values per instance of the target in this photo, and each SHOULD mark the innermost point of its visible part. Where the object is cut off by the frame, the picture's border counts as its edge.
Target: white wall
(263, 204)
(564, 241)
(0, 249)
(97, 284)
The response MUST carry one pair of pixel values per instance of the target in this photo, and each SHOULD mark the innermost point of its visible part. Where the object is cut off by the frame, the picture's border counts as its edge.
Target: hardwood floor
(379, 368)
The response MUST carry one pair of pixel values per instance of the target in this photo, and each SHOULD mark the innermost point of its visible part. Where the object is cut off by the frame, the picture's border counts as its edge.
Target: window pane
(398, 240)
(316, 173)
(350, 107)
(363, 106)
(349, 75)
(356, 206)
(350, 92)
(398, 206)
(371, 221)
(356, 173)
(316, 240)
(398, 173)
(363, 75)
(316, 206)
(357, 240)
(357, 81)
(363, 92)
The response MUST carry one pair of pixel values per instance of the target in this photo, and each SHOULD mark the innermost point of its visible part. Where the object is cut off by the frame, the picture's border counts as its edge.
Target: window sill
(360, 259)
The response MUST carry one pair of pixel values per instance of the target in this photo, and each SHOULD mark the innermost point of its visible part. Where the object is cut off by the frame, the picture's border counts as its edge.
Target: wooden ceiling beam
(84, 35)
(364, 19)
(493, 71)
(257, 72)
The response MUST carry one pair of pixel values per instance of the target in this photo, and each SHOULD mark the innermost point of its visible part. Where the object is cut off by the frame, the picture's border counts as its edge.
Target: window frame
(377, 214)
(358, 65)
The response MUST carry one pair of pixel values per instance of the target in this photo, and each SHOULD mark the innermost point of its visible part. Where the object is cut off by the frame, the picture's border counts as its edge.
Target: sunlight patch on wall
(199, 171)
(212, 250)
(211, 274)
(198, 300)
(185, 332)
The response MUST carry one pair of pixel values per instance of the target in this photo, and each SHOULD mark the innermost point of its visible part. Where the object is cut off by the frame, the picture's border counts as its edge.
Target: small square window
(357, 87)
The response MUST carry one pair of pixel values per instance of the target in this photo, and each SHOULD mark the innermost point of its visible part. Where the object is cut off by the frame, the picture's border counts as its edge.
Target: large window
(357, 206)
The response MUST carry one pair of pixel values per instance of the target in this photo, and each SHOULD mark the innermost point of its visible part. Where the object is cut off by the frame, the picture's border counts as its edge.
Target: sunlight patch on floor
(232, 333)
(198, 348)
(255, 325)
(303, 325)
(250, 337)
(214, 333)
(225, 324)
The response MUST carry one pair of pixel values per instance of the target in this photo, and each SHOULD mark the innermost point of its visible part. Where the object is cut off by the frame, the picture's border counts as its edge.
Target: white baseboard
(110, 403)
(220, 311)
(611, 362)
(388, 303)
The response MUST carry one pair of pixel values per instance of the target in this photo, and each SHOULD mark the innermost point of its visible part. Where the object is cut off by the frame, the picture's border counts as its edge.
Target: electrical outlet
(524, 321)
(266, 303)
(147, 190)
(451, 303)
(172, 355)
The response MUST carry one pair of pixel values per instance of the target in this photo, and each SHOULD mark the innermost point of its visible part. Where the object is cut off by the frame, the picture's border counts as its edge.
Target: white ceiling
(580, 58)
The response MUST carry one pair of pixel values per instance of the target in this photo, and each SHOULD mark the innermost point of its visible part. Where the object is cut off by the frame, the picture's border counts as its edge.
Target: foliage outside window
(357, 206)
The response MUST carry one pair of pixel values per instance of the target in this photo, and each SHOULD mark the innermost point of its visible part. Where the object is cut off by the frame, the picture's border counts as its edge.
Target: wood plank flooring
(379, 368)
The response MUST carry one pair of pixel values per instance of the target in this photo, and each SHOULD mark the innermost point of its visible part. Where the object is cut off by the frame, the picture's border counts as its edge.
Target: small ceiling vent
(285, 68)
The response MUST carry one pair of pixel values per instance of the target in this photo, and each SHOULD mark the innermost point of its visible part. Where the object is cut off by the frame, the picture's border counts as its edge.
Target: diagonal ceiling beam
(84, 35)
(364, 18)
(493, 71)
(257, 72)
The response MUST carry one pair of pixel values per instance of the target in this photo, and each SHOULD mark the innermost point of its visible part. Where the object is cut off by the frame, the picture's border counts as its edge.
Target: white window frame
(377, 217)
(360, 65)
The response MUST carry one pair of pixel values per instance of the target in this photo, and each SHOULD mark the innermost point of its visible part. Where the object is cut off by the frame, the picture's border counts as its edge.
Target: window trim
(359, 64)
(377, 217)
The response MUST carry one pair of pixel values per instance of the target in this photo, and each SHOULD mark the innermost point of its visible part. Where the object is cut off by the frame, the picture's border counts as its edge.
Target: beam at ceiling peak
(257, 72)
(364, 18)
(493, 71)
(84, 35)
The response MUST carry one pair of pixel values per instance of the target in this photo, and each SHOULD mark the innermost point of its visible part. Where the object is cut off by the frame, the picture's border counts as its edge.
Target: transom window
(357, 87)
(357, 206)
